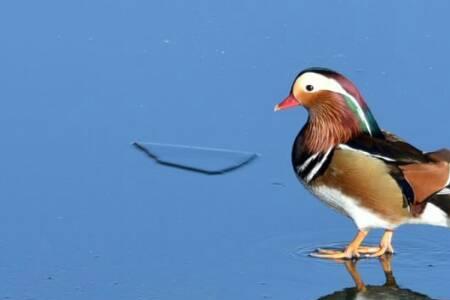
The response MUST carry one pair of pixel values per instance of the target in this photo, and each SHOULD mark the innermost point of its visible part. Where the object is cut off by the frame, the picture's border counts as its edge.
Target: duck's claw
(334, 254)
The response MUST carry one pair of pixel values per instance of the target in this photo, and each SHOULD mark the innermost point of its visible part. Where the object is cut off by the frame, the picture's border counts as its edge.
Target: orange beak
(288, 102)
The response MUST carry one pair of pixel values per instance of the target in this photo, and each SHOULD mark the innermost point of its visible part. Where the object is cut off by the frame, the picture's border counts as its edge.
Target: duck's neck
(329, 126)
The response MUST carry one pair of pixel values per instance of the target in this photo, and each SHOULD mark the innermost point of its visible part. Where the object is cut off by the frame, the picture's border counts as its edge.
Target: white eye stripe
(317, 81)
(323, 83)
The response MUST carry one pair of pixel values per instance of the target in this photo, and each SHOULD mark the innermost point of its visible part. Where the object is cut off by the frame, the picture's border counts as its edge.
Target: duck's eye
(309, 88)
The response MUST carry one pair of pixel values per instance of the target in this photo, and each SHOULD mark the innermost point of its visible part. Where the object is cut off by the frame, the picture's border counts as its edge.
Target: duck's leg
(350, 252)
(385, 244)
(370, 251)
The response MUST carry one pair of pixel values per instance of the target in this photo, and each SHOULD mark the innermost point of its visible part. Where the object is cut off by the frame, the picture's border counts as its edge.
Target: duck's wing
(420, 175)
(437, 155)
(390, 148)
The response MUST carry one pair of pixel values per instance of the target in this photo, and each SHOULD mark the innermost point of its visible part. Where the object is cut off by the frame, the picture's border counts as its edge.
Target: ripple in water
(411, 251)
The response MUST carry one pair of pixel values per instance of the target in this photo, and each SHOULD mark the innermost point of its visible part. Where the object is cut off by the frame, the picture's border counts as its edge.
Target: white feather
(346, 147)
(363, 217)
(432, 215)
(307, 162)
(445, 191)
(318, 166)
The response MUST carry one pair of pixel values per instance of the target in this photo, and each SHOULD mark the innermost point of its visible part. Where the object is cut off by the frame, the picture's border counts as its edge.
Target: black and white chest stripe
(311, 166)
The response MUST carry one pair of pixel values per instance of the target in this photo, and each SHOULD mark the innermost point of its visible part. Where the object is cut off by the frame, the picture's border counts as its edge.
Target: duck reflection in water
(389, 290)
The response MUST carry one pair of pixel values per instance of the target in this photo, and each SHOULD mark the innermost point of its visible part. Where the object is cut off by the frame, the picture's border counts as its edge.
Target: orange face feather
(336, 109)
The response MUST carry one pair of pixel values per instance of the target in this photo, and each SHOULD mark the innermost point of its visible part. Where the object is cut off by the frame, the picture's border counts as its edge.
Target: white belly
(363, 217)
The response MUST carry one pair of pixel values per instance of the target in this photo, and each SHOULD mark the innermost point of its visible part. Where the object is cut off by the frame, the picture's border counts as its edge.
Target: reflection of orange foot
(385, 261)
(350, 265)
(388, 290)
(350, 252)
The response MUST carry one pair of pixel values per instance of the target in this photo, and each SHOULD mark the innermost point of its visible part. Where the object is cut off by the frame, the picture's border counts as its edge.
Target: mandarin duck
(370, 175)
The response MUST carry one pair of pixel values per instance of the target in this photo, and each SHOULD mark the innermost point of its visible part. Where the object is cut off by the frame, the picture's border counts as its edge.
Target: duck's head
(332, 101)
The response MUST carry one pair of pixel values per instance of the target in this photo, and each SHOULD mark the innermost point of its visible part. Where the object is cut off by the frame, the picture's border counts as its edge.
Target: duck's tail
(441, 201)
(438, 206)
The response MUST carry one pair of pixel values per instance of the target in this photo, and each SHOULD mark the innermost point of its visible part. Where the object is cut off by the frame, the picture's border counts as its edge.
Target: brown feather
(367, 180)
(440, 155)
(426, 179)
(330, 122)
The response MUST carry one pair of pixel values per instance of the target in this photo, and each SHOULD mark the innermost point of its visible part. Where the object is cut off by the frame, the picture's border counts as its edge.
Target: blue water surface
(84, 215)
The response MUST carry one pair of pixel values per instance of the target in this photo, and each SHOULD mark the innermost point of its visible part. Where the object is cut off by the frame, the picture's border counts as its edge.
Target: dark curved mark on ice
(146, 149)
